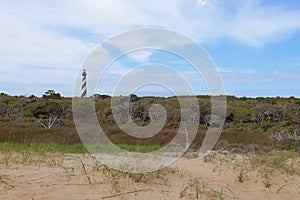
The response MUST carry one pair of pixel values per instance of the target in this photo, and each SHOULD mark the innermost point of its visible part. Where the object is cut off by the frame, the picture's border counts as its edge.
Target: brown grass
(62, 135)
(68, 135)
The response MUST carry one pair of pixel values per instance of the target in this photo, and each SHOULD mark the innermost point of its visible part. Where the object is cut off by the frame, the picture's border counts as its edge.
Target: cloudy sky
(254, 43)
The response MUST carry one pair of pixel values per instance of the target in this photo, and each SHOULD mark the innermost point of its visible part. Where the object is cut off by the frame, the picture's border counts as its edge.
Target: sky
(255, 44)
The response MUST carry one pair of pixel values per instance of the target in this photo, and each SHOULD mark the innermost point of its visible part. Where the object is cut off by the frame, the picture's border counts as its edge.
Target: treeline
(264, 111)
(274, 119)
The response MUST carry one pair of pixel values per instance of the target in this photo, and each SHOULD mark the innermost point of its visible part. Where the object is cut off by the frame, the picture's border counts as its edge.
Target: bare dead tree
(284, 112)
(187, 143)
(48, 123)
(295, 135)
(285, 136)
(276, 136)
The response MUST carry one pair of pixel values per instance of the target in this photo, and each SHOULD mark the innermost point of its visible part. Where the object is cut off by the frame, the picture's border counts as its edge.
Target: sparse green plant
(85, 172)
(96, 165)
(234, 196)
(69, 171)
(266, 175)
(280, 188)
(242, 176)
(4, 179)
(56, 162)
(198, 188)
(137, 177)
(113, 176)
(267, 182)
(5, 160)
(286, 162)
(214, 194)
(32, 196)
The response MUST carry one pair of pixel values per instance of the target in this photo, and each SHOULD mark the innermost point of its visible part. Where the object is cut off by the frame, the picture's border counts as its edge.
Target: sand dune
(218, 176)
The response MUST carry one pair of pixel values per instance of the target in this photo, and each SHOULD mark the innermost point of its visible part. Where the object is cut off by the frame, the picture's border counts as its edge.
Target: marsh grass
(139, 148)
(78, 148)
(42, 148)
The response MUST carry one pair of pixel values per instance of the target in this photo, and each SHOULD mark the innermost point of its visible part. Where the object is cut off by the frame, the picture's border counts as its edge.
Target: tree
(50, 94)
(133, 97)
(98, 97)
(3, 105)
(52, 111)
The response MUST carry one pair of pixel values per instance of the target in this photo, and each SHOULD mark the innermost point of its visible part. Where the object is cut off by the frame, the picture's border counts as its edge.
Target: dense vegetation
(263, 121)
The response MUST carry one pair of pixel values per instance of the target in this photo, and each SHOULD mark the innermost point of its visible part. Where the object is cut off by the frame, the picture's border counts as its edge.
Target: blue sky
(254, 43)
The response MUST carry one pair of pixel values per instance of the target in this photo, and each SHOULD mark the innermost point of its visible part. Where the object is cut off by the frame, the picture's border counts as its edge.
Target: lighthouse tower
(83, 86)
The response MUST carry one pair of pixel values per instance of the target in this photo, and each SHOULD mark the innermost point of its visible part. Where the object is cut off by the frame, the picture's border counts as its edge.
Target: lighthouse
(83, 86)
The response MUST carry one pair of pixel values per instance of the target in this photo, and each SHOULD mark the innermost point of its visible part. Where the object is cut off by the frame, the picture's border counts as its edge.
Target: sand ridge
(217, 176)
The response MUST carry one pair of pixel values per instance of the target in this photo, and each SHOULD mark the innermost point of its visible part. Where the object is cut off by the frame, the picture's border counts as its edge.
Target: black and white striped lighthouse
(83, 86)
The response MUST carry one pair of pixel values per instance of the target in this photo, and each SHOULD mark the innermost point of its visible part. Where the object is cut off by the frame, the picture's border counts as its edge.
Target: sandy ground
(218, 176)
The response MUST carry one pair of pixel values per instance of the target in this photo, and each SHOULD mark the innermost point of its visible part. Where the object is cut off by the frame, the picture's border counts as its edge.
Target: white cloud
(249, 76)
(202, 3)
(244, 76)
(256, 25)
(281, 75)
(38, 34)
(141, 56)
